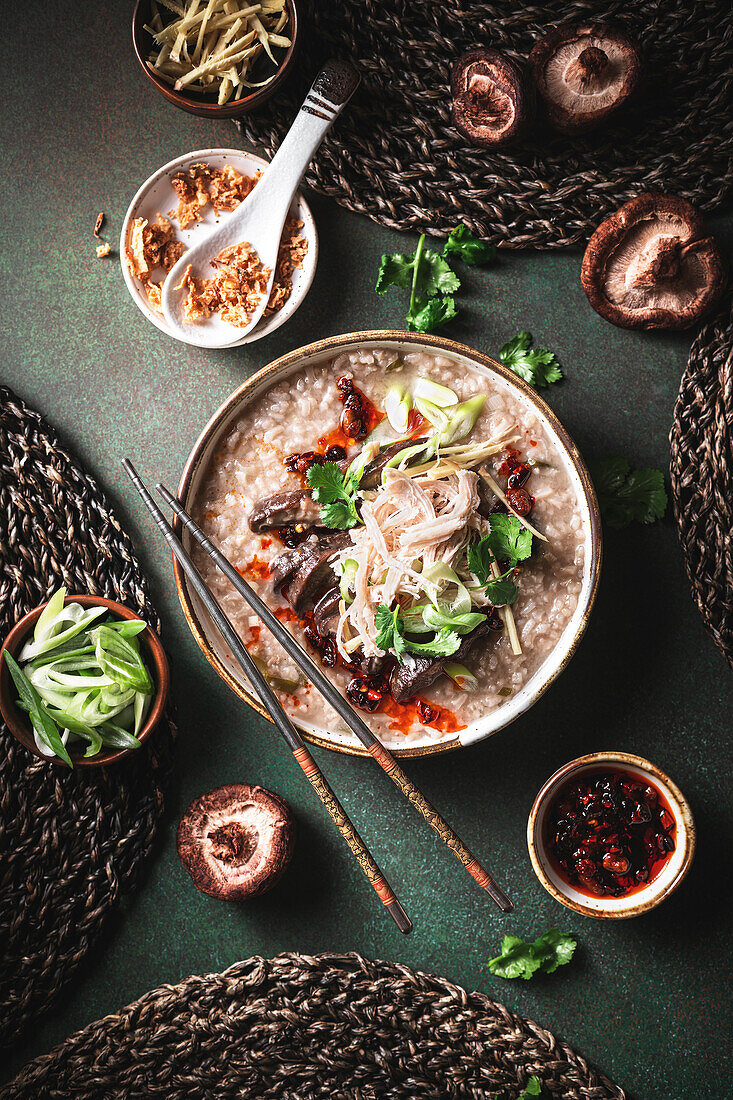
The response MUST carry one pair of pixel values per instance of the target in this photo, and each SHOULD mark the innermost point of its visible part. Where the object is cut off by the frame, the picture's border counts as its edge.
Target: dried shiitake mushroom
(236, 841)
(649, 265)
(492, 101)
(583, 73)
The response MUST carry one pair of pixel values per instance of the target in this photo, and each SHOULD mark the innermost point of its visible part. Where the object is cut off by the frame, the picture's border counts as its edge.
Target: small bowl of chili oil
(610, 835)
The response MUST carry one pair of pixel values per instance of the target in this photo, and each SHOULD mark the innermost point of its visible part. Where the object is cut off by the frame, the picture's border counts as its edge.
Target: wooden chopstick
(274, 708)
(369, 740)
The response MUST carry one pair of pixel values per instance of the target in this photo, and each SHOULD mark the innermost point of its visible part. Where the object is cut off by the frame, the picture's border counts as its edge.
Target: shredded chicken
(410, 524)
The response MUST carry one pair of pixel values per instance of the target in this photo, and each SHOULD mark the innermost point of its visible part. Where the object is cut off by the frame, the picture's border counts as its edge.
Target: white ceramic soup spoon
(259, 219)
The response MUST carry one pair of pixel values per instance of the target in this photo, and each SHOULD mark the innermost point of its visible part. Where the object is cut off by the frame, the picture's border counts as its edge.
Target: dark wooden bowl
(194, 102)
(17, 721)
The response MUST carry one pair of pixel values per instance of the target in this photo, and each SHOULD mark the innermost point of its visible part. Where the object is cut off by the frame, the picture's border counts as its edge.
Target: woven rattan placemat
(395, 156)
(322, 1027)
(702, 475)
(71, 843)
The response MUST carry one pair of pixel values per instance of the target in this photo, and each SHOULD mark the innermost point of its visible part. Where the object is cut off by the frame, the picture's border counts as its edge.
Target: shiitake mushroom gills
(650, 266)
(492, 101)
(236, 841)
(583, 73)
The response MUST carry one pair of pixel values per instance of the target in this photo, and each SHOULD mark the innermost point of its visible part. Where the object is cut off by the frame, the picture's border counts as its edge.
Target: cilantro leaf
(508, 539)
(559, 949)
(385, 621)
(444, 644)
(473, 251)
(534, 1088)
(520, 959)
(480, 558)
(502, 591)
(431, 282)
(428, 270)
(327, 482)
(626, 496)
(390, 635)
(434, 275)
(394, 270)
(430, 313)
(538, 366)
(336, 493)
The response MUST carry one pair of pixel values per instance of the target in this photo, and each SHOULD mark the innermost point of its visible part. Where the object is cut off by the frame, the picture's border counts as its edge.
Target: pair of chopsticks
(332, 695)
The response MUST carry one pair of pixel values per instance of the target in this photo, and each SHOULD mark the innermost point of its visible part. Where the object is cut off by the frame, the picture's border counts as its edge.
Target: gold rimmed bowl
(289, 365)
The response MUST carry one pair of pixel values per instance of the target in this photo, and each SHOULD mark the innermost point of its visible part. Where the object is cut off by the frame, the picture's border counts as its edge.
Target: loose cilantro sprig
(627, 496)
(430, 278)
(520, 959)
(507, 541)
(336, 493)
(390, 635)
(473, 251)
(538, 366)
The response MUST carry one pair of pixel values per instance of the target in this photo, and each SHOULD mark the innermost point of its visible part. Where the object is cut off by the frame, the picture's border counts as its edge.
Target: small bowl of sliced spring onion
(215, 58)
(83, 681)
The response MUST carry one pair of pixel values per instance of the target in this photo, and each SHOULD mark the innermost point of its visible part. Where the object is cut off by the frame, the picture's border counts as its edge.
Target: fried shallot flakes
(241, 279)
(224, 188)
(234, 292)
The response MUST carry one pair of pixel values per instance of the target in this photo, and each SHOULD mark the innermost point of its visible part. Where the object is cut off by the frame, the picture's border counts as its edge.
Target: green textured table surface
(647, 1000)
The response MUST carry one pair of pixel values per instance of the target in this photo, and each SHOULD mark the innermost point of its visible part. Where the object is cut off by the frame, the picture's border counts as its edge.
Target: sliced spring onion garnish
(433, 413)
(462, 624)
(461, 676)
(366, 455)
(348, 574)
(437, 394)
(397, 405)
(463, 419)
(451, 595)
(82, 679)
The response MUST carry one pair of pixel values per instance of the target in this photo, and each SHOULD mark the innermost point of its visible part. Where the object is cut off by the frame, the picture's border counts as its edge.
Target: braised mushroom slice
(492, 101)
(650, 266)
(236, 841)
(583, 73)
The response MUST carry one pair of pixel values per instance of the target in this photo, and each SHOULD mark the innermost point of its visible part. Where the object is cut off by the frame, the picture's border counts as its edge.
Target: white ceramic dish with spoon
(157, 195)
(258, 220)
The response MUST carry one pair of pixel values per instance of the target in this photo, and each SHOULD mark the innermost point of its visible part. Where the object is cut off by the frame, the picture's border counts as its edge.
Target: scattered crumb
(103, 249)
(98, 224)
(224, 188)
(234, 292)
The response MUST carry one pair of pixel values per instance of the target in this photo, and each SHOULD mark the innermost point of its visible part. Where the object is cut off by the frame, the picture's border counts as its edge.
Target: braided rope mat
(321, 1027)
(702, 475)
(395, 156)
(71, 843)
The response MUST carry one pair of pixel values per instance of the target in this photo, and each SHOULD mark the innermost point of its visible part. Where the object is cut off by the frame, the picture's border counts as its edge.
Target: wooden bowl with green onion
(17, 719)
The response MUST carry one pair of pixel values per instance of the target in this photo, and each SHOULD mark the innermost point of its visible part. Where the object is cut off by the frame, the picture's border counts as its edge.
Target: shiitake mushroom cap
(236, 841)
(584, 72)
(649, 265)
(492, 100)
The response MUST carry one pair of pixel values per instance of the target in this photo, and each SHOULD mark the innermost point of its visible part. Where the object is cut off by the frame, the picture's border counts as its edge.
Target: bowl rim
(202, 108)
(17, 723)
(327, 346)
(685, 822)
(265, 327)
